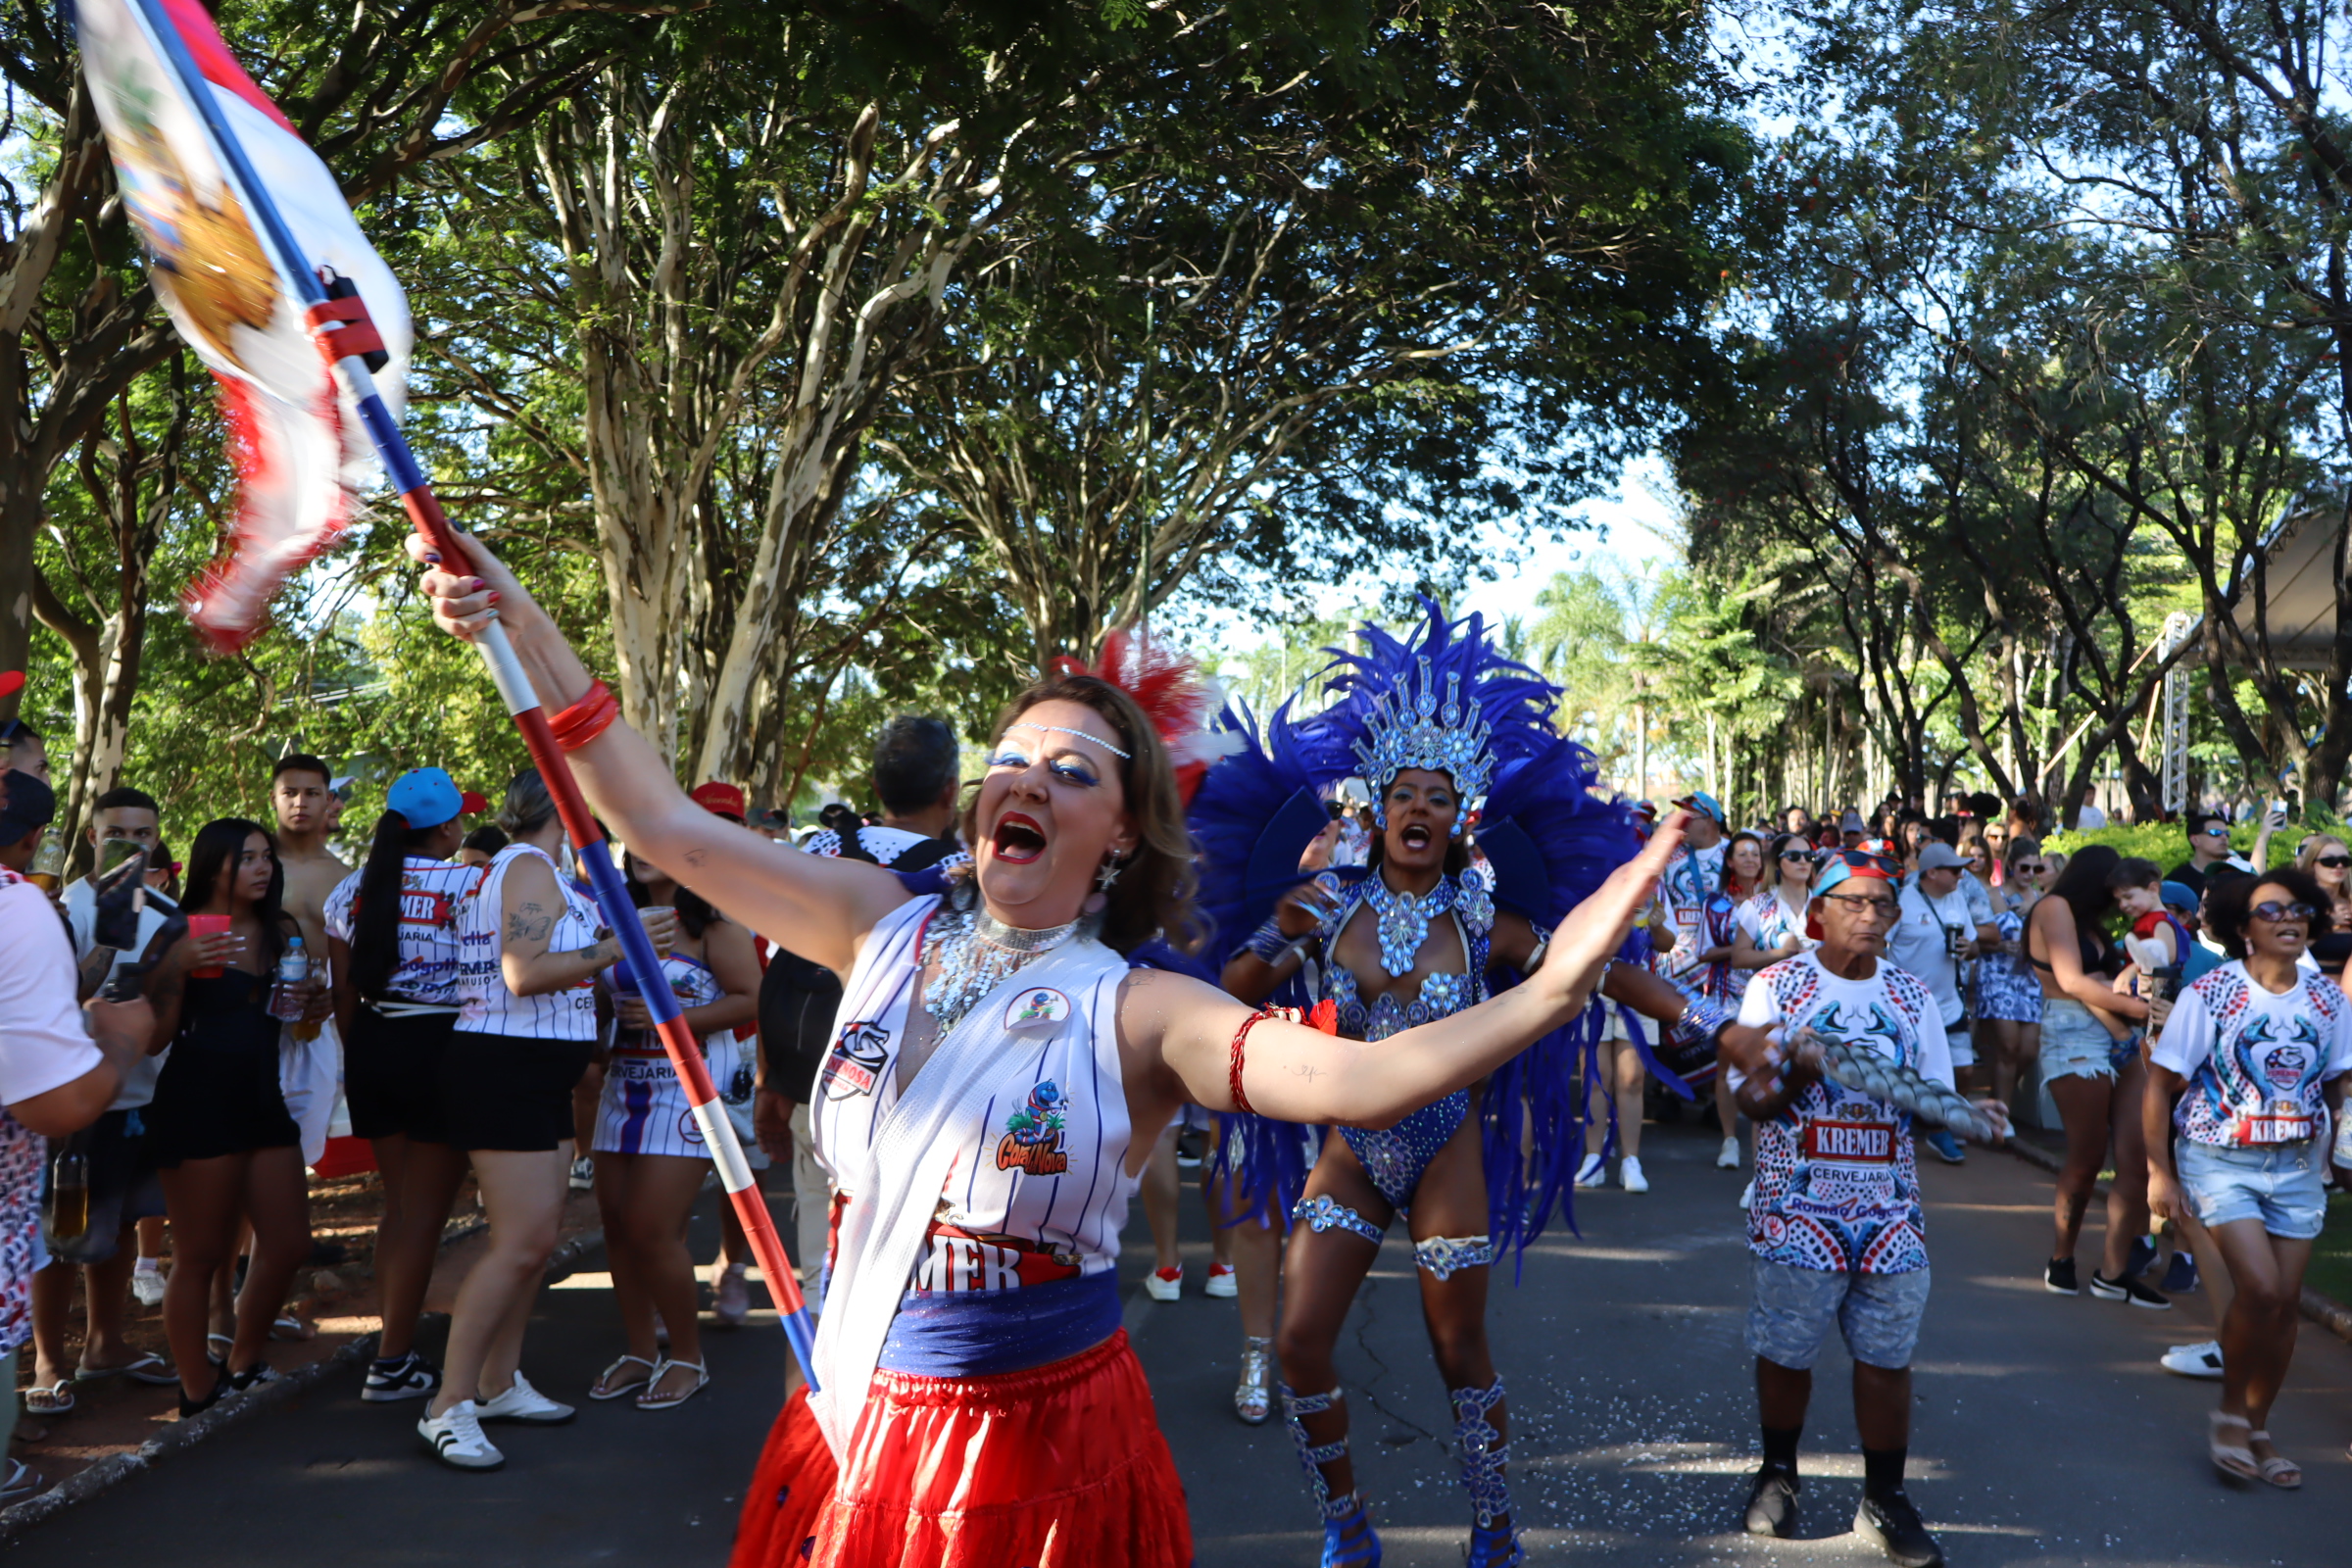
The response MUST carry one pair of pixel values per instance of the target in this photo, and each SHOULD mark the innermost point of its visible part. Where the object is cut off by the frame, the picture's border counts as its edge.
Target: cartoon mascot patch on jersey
(1032, 1140)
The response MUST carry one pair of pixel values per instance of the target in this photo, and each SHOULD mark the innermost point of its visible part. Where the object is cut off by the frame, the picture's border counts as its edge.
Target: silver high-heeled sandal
(1251, 1400)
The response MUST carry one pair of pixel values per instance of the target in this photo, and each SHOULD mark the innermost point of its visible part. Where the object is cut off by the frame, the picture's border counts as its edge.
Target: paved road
(2045, 1434)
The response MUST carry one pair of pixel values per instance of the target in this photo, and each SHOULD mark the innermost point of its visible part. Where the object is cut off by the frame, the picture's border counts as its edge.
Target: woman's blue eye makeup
(1069, 769)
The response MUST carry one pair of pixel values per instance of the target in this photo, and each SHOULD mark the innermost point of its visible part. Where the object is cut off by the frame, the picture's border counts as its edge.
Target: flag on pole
(300, 453)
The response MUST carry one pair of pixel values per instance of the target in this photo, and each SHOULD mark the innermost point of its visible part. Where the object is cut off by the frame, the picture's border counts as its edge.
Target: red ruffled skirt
(1060, 1467)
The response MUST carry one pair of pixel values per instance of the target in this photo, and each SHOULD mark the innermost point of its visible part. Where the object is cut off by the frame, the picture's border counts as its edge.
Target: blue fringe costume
(1439, 699)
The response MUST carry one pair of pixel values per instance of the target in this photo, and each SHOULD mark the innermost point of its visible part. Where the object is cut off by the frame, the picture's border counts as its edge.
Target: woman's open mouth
(1414, 837)
(1018, 839)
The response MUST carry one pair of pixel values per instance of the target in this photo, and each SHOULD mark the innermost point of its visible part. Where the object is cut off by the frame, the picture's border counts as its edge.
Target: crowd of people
(1543, 967)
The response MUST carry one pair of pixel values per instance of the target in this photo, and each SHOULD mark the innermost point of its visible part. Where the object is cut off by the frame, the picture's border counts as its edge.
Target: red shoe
(1221, 1282)
(1166, 1284)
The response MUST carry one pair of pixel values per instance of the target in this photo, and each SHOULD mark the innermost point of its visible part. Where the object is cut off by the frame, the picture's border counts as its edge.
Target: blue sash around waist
(974, 1333)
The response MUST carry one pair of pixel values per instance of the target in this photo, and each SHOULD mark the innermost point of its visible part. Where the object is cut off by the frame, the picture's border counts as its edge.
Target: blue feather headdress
(1440, 698)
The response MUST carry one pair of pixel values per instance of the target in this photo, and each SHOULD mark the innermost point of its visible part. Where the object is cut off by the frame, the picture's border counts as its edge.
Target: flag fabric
(301, 455)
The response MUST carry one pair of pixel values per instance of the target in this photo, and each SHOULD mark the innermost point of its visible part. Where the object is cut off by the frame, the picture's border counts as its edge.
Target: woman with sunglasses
(2090, 1062)
(2329, 864)
(2008, 1001)
(2256, 1052)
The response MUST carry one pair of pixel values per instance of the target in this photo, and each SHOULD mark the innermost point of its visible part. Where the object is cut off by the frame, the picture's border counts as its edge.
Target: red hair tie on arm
(1325, 1017)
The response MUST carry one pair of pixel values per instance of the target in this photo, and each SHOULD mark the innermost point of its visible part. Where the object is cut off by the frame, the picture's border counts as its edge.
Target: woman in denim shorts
(2256, 1050)
(2089, 1063)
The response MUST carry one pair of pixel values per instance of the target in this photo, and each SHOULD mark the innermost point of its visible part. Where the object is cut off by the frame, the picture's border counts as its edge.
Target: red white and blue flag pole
(344, 334)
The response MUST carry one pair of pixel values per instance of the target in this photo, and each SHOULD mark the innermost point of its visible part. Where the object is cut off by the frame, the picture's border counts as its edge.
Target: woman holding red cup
(218, 1128)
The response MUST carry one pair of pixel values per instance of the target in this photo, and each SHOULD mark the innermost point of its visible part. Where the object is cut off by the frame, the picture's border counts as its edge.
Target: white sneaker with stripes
(456, 1438)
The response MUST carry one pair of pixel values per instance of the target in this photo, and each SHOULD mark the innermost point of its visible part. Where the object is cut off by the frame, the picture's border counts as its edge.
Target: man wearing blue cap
(1693, 877)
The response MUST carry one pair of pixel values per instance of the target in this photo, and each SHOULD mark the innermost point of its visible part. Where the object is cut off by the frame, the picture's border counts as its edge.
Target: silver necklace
(1405, 919)
(972, 952)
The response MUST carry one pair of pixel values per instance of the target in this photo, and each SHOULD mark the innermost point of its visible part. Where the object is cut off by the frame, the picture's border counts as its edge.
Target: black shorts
(510, 1092)
(392, 1074)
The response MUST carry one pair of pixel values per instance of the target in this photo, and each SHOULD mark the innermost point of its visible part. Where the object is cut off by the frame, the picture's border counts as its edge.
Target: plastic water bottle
(293, 972)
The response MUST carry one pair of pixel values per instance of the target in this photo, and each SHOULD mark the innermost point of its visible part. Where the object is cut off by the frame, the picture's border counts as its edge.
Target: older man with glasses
(1834, 1223)
(2208, 847)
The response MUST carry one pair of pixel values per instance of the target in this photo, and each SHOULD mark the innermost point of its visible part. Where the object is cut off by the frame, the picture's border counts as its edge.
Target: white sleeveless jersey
(430, 892)
(485, 1004)
(1039, 1188)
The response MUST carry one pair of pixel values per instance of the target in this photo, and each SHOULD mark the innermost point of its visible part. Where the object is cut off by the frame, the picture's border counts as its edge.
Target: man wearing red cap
(1836, 1224)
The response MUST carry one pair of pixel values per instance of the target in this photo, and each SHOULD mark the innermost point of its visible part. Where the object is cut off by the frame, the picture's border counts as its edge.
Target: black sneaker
(2182, 1275)
(1772, 1505)
(403, 1377)
(2058, 1275)
(1890, 1523)
(2127, 1288)
(2141, 1258)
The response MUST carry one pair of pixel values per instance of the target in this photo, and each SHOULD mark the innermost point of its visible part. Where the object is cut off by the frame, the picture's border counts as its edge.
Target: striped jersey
(430, 892)
(1038, 1188)
(485, 1004)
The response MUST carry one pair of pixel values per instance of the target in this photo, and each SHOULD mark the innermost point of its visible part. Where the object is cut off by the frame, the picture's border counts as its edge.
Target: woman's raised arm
(1295, 1073)
(813, 906)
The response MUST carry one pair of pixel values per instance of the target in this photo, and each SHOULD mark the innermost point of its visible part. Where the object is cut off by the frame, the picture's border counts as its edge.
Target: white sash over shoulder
(895, 1189)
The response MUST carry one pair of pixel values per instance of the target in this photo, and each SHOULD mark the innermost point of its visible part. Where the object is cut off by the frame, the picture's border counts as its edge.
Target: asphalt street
(2045, 1433)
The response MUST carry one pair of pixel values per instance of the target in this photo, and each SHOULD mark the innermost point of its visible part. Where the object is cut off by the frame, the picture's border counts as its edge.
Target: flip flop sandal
(650, 1400)
(21, 1482)
(2235, 1460)
(291, 1328)
(49, 1399)
(2278, 1470)
(151, 1371)
(604, 1387)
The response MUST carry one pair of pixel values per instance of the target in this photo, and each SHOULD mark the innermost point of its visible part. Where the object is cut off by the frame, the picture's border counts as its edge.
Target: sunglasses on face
(2212, 832)
(2271, 911)
(2028, 869)
(1806, 856)
(2334, 863)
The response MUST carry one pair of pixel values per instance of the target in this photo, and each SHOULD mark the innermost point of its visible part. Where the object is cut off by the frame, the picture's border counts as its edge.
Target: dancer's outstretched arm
(813, 904)
(1295, 1073)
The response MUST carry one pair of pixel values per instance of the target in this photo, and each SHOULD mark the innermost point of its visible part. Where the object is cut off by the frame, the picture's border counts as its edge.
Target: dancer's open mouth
(1415, 837)
(1018, 839)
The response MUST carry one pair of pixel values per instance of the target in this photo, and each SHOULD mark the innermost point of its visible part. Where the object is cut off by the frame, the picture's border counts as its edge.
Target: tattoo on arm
(1308, 1071)
(696, 858)
(529, 924)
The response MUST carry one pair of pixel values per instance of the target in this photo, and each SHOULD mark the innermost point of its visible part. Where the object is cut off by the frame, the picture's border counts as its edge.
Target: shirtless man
(298, 794)
(305, 809)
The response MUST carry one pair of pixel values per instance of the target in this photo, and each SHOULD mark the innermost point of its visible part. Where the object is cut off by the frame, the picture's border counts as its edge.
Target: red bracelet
(1324, 1017)
(585, 719)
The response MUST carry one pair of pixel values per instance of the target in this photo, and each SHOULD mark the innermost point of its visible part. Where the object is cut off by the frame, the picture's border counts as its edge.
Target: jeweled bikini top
(1405, 922)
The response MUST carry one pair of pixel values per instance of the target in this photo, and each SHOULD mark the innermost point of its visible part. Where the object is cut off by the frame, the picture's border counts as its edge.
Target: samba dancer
(970, 1358)
(1431, 724)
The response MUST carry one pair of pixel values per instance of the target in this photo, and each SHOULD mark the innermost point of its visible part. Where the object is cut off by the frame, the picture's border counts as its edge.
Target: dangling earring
(1108, 872)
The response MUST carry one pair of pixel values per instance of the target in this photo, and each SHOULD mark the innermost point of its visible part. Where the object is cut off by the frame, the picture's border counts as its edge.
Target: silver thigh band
(1444, 1256)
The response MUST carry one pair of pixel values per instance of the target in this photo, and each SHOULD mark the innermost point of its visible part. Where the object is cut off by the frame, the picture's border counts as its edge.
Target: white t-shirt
(1921, 943)
(1769, 922)
(1692, 876)
(156, 912)
(1836, 1181)
(2089, 819)
(43, 1044)
(2255, 1060)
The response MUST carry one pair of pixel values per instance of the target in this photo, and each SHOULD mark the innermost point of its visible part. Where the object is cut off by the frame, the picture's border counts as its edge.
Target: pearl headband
(1077, 734)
